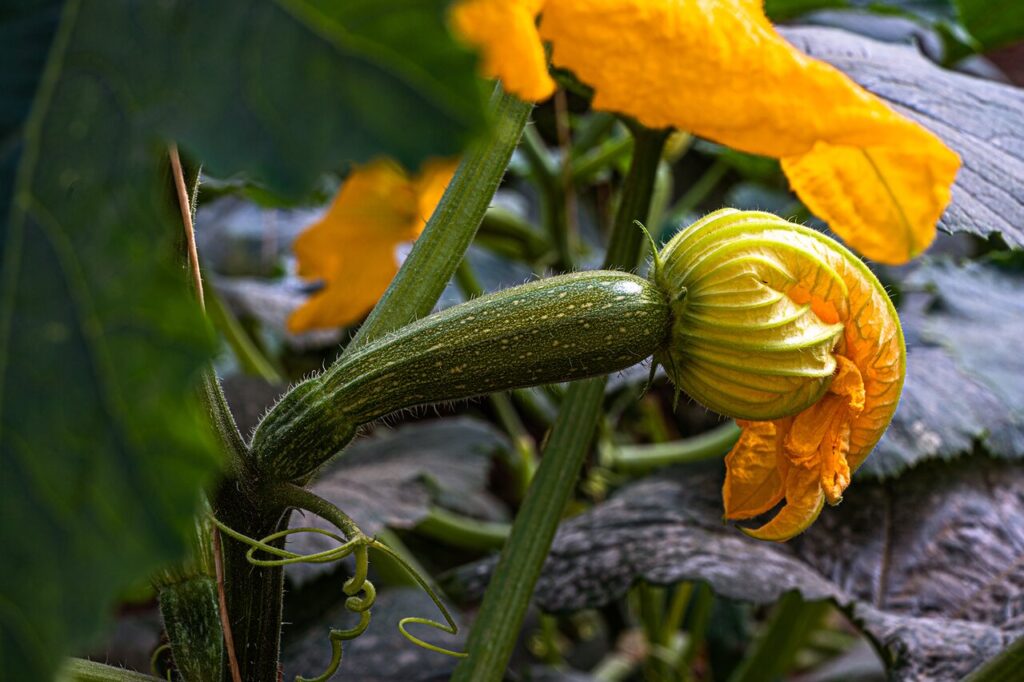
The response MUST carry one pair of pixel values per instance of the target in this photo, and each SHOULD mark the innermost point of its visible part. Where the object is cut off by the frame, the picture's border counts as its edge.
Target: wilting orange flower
(784, 329)
(807, 459)
(352, 248)
(718, 69)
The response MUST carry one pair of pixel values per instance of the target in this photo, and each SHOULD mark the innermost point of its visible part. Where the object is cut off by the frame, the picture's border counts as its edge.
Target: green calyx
(746, 340)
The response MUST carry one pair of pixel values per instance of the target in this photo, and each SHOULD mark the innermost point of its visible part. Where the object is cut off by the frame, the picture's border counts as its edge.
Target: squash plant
(122, 460)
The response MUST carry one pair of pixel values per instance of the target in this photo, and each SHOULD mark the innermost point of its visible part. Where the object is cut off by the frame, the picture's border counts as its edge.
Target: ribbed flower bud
(748, 293)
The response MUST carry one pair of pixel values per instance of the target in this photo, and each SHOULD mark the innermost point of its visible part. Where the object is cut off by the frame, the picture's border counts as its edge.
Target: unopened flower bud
(754, 329)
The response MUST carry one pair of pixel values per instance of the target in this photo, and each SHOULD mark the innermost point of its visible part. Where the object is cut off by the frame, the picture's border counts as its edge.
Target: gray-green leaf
(980, 120)
(929, 565)
(965, 371)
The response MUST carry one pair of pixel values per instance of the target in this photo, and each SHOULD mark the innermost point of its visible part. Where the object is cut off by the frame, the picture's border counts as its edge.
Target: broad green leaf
(103, 445)
(992, 22)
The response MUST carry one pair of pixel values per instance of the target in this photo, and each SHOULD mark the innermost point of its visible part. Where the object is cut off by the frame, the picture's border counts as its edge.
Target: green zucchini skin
(555, 329)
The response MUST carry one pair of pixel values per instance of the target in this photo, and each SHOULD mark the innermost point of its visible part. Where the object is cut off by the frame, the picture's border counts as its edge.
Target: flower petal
(884, 201)
(873, 343)
(804, 501)
(753, 483)
(506, 33)
(433, 180)
(718, 69)
(352, 248)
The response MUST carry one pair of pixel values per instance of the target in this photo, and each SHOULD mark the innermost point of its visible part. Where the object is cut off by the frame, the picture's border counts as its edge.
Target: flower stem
(451, 228)
(642, 458)
(505, 603)
(462, 531)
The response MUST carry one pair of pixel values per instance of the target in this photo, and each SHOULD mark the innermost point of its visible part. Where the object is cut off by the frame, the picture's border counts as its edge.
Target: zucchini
(555, 329)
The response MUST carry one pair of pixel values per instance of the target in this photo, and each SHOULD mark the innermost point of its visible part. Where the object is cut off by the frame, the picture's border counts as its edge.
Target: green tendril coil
(357, 544)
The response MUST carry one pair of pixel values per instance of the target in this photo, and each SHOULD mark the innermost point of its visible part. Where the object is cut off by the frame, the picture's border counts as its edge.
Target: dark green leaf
(928, 565)
(25, 35)
(964, 326)
(104, 445)
(980, 120)
(282, 90)
(992, 22)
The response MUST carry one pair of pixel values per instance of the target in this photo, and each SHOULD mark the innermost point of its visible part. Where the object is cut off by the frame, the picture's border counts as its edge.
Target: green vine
(360, 591)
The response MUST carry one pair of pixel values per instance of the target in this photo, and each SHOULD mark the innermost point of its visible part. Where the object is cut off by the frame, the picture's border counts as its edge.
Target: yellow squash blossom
(352, 248)
(717, 68)
(771, 319)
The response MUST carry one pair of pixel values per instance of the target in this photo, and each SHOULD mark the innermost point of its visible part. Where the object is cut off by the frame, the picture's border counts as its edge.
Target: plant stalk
(451, 228)
(773, 652)
(254, 594)
(508, 596)
(641, 458)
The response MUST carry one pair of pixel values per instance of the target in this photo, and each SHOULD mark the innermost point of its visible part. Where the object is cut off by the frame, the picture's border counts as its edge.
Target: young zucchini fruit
(556, 329)
(745, 310)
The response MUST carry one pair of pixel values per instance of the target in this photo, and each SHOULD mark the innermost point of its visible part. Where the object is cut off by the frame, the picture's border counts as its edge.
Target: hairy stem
(79, 670)
(254, 595)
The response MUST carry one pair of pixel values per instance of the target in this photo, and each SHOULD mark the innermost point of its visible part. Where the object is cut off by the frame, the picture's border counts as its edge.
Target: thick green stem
(508, 596)
(497, 625)
(451, 228)
(254, 594)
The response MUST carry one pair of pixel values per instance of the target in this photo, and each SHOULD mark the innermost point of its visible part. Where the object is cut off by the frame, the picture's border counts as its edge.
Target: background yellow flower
(352, 248)
(718, 69)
